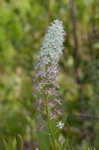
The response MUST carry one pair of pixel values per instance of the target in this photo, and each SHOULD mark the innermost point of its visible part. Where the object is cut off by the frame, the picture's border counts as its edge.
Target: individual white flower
(60, 125)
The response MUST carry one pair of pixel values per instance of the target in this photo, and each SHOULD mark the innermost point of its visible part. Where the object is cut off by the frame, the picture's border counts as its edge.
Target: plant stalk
(49, 125)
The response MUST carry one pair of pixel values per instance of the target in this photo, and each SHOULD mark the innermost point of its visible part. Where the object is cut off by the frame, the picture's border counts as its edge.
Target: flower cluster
(47, 66)
(46, 69)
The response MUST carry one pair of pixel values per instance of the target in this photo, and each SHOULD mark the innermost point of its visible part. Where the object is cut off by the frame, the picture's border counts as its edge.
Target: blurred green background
(23, 24)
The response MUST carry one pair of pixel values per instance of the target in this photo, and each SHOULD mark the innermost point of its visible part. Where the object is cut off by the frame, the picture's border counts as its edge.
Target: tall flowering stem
(49, 126)
(45, 79)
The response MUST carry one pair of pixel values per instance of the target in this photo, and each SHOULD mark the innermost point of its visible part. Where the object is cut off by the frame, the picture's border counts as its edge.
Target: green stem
(21, 141)
(49, 126)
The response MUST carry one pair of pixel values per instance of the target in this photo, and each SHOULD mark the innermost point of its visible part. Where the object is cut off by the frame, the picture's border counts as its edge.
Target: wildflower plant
(48, 102)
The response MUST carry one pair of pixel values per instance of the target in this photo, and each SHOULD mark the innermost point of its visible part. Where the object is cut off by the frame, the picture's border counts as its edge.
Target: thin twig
(76, 53)
(73, 15)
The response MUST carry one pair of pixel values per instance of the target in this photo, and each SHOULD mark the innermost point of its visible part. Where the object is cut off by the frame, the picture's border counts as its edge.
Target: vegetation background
(23, 24)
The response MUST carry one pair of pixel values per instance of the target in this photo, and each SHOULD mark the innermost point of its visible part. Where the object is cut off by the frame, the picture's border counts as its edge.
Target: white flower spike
(46, 72)
(51, 51)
